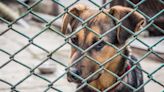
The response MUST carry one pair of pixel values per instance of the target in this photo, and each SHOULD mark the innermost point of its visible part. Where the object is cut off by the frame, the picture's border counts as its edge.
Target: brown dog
(100, 50)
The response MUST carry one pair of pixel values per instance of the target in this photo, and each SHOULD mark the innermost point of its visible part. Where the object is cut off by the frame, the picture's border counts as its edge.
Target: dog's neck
(120, 85)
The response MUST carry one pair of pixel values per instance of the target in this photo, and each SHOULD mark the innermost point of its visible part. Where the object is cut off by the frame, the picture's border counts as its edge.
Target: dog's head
(98, 48)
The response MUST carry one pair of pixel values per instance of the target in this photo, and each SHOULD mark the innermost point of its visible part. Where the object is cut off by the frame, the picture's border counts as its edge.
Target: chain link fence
(60, 45)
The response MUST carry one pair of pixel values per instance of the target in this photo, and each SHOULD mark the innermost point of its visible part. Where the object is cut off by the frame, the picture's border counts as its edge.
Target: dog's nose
(72, 77)
(75, 71)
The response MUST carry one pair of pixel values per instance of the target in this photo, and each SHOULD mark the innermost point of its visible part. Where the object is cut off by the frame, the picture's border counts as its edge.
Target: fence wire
(48, 26)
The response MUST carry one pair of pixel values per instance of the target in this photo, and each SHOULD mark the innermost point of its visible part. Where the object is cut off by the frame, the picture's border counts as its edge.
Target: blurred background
(26, 41)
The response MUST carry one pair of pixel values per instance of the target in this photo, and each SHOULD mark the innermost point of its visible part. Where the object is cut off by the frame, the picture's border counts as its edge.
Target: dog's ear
(69, 19)
(133, 22)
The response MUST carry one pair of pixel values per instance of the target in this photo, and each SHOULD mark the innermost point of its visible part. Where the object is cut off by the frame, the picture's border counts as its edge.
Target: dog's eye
(99, 46)
(74, 40)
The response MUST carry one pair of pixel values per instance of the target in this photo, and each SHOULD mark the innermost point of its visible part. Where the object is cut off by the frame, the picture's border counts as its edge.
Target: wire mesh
(49, 54)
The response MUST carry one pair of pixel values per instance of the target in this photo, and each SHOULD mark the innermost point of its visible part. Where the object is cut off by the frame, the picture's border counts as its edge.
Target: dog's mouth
(70, 79)
(80, 81)
(95, 77)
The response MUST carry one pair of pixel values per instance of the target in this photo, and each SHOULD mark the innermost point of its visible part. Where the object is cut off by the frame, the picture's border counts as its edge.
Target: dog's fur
(101, 52)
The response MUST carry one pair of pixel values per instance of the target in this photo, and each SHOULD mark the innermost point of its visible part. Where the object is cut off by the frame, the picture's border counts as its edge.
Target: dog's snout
(72, 74)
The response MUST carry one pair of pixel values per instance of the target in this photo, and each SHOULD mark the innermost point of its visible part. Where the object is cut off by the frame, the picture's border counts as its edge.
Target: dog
(99, 49)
